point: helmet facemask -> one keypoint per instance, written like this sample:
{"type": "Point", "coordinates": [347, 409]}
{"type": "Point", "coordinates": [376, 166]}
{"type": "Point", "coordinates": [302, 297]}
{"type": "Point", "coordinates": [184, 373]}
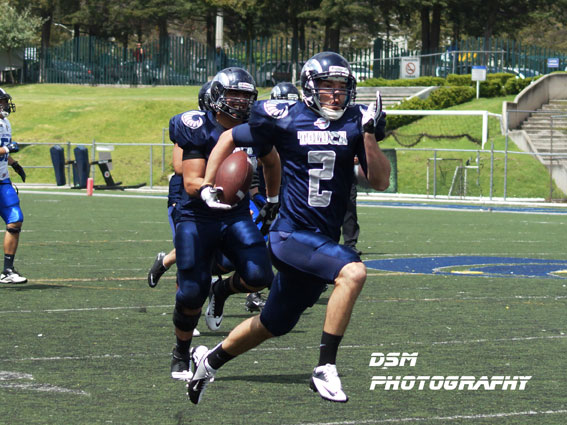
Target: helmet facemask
{"type": "Point", "coordinates": [235, 103]}
{"type": "Point", "coordinates": [233, 92]}
{"type": "Point", "coordinates": [6, 104]}
{"type": "Point", "coordinates": [331, 67]}
{"type": "Point", "coordinates": [336, 99]}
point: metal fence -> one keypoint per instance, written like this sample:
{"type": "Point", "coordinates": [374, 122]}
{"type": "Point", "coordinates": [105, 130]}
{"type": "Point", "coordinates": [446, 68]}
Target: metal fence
{"type": "Point", "coordinates": [473, 174]}
{"type": "Point", "coordinates": [181, 60]}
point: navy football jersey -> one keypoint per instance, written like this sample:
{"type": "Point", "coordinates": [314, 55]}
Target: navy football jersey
{"type": "Point", "coordinates": [317, 159]}
{"type": "Point", "coordinates": [175, 189]}
{"type": "Point", "coordinates": [197, 132]}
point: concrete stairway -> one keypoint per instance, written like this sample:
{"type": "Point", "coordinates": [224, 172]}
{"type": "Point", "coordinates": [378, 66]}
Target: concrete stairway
{"type": "Point", "coordinates": [391, 96]}
{"type": "Point", "coordinates": [547, 131]}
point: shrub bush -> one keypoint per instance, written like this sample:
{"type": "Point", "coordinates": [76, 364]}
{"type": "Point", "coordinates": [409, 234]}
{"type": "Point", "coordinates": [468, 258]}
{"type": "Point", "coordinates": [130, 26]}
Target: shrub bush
{"type": "Point", "coordinates": [442, 98]}
{"type": "Point", "coordinates": [516, 85]}
{"type": "Point", "coordinates": [445, 97]}
{"type": "Point", "coordinates": [417, 82]}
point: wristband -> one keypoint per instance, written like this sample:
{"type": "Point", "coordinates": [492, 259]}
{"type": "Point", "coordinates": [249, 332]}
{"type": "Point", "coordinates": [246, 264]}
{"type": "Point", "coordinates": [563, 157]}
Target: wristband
{"type": "Point", "coordinates": [273, 199]}
{"type": "Point", "coordinates": [204, 186]}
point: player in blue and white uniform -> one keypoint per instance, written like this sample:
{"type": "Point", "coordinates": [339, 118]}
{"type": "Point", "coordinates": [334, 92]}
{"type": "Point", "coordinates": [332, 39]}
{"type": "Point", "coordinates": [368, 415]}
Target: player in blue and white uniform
{"type": "Point", "coordinates": [317, 140]}
{"type": "Point", "coordinates": [164, 261]}
{"type": "Point", "coordinates": [9, 202]}
{"type": "Point", "coordinates": [203, 226]}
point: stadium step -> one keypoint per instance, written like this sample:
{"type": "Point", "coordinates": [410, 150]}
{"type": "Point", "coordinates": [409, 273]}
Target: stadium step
{"type": "Point", "coordinates": [391, 96]}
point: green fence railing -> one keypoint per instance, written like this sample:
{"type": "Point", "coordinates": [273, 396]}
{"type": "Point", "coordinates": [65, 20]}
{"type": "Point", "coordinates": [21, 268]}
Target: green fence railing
{"type": "Point", "coordinates": [183, 61]}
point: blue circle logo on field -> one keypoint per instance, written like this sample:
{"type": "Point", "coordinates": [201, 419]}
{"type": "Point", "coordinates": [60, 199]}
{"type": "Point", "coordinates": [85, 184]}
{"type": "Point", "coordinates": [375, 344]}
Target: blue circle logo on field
{"type": "Point", "coordinates": [478, 266]}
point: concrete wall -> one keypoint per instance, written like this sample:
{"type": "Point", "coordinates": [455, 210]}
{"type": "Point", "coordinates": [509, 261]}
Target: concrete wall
{"type": "Point", "coordinates": [540, 92]}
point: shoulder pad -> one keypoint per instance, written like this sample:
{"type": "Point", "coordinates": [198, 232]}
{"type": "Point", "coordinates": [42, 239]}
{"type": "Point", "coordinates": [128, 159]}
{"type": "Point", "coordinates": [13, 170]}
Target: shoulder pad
{"type": "Point", "coordinates": [193, 119]}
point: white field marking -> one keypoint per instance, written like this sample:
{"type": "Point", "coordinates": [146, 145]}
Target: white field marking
{"type": "Point", "coordinates": [442, 418]}
{"type": "Point", "coordinates": [479, 210]}
{"type": "Point", "coordinates": [267, 349]}
{"type": "Point", "coordinates": [43, 388]}
{"type": "Point", "coordinates": [386, 300]}
{"type": "Point", "coordinates": [513, 297]}
{"type": "Point", "coordinates": [12, 376]}
{"type": "Point", "coordinates": [101, 195]}
{"type": "Point", "coordinates": [394, 344]}
{"type": "Point", "coordinates": [69, 310]}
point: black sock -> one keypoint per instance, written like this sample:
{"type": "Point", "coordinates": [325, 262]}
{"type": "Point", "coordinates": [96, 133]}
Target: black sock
{"type": "Point", "coordinates": [9, 261]}
{"type": "Point", "coordinates": [183, 347]}
{"type": "Point", "coordinates": [218, 357]}
{"type": "Point", "coordinates": [222, 289]}
{"type": "Point", "coordinates": [328, 348]}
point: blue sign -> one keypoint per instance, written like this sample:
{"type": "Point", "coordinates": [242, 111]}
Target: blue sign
{"type": "Point", "coordinates": [553, 62]}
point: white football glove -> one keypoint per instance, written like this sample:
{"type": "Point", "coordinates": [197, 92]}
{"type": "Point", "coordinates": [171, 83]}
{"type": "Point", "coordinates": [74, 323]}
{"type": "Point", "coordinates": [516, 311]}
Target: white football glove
{"type": "Point", "coordinates": [371, 116]}
{"type": "Point", "coordinates": [210, 195]}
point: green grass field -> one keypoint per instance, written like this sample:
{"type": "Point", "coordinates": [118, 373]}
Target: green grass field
{"type": "Point", "coordinates": [86, 341]}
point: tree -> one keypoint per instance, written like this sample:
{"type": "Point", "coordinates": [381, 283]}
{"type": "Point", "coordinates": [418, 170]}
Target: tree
{"type": "Point", "coordinates": [17, 30]}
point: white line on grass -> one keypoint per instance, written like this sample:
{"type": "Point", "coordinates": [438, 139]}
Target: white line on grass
{"type": "Point", "coordinates": [68, 310]}
{"type": "Point", "coordinates": [43, 388]}
{"type": "Point", "coordinates": [314, 347]}
{"type": "Point", "coordinates": [17, 376]}
{"type": "Point", "coordinates": [442, 418]}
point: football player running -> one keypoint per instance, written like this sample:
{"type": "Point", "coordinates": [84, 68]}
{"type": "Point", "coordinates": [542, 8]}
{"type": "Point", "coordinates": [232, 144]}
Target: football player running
{"type": "Point", "coordinates": [205, 226]}
{"type": "Point", "coordinates": [164, 261]}
{"type": "Point", "coordinates": [317, 140]}
{"type": "Point", "coordinates": [9, 202]}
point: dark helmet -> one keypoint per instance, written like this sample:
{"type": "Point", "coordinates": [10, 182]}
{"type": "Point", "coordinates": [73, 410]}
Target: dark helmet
{"type": "Point", "coordinates": [6, 104]}
{"type": "Point", "coordinates": [205, 97]}
{"type": "Point", "coordinates": [285, 91]}
{"type": "Point", "coordinates": [233, 80]}
{"type": "Point", "coordinates": [326, 66]}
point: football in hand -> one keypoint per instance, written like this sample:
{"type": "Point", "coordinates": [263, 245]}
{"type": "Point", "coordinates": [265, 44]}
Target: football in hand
{"type": "Point", "coordinates": [234, 176]}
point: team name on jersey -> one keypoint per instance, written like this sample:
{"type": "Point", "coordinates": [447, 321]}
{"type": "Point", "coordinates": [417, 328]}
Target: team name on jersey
{"type": "Point", "coordinates": [322, 137]}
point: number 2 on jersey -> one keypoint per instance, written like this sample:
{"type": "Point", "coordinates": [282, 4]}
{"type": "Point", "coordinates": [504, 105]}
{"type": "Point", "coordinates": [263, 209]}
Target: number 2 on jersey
{"type": "Point", "coordinates": [327, 159]}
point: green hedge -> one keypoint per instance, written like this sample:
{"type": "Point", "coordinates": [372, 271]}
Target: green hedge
{"type": "Point", "coordinates": [500, 84]}
{"type": "Point", "coordinates": [442, 98]}
{"type": "Point", "coordinates": [417, 82]}
{"type": "Point", "coordinates": [516, 85]}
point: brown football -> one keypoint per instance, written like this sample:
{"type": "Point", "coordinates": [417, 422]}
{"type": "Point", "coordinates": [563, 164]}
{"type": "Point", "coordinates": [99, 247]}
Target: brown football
{"type": "Point", "coordinates": [234, 176]}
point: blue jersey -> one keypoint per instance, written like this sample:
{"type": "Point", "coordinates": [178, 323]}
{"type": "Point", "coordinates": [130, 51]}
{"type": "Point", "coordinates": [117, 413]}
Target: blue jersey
{"type": "Point", "coordinates": [197, 133]}
{"type": "Point", "coordinates": [317, 157]}
{"type": "Point", "coordinates": [175, 189]}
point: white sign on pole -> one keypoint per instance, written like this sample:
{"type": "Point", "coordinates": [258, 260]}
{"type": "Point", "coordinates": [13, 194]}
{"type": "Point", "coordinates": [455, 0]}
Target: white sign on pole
{"type": "Point", "coordinates": [409, 67]}
{"type": "Point", "coordinates": [478, 74]}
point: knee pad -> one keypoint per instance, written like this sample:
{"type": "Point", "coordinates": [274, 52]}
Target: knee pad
{"type": "Point", "coordinates": [182, 321]}
{"type": "Point", "coordinates": [13, 230]}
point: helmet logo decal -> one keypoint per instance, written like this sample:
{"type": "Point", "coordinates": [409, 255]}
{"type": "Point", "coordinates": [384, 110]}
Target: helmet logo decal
{"type": "Point", "coordinates": [193, 119]}
{"type": "Point", "coordinates": [277, 109]}
{"type": "Point", "coordinates": [333, 69]}
{"type": "Point", "coordinates": [245, 86]}
{"type": "Point", "coordinates": [322, 123]}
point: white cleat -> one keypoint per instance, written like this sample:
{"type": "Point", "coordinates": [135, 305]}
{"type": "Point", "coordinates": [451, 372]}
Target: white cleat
{"type": "Point", "coordinates": [180, 367]}
{"type": "Point", "coordinates": [214, 312]}
{"type": "Point", "coordinates": [196, 354]}
{"type": "Point", "coordinates": [201, 378]}
{"type": "Point", "coordinates": [325, 380]}
{"type": "Point", "coordinates": [12, 276]}
{"type": "Point", "coordinates": [196, 332]}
